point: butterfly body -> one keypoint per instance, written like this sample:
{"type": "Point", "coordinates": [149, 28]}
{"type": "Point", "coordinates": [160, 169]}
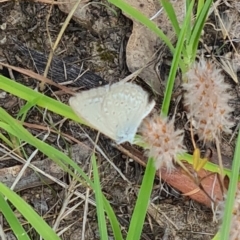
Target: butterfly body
{"type": "Point", "coordinates": [115, 110]}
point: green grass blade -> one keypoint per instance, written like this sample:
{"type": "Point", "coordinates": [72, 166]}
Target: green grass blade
{"type": "Point", "coordinates": [125, 7]}
{"type": "Point", "coordinates": [41, 100]}
{"type": "Point", "coordinates": [197, 29]}
{"type": "Point", "coordinates": [209, 166]}
{"type": "Point", "coordinates": [217, 236]}
{"type": "Point", "coordinates": [29, 214]}
{"type": "Point", "coordinates": [60, 158]}
{"type": "Point", "coordinates": [16, 129]}
{"type": "Point", "coordinates": [187, 4]}
{"type": "Point", "coordinates": [9, 215]}
{"type": "Point", "coordinates": [175, 63]}
{"type": "Point", "coordinates": [200, 5]}
{"type": "Point", "coordinates": [226, 225]}
{"type": "Point", "coordinates": [24, 109]}
{"type": "Point", "coordinates": [6, 140]}
{"type": "Point", "coordinates": [140, 210]}
{"type": "Point", "coordinates": [99, 201]}
{"type": "Point", "coordinates": [113, 220]}
{"type": "Point", "coordinates": [171, 15]}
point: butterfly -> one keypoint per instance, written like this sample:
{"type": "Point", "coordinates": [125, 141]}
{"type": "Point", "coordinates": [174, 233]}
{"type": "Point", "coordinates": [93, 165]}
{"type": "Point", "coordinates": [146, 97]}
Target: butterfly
{"type": "Point", "coordinates": [115, 110]}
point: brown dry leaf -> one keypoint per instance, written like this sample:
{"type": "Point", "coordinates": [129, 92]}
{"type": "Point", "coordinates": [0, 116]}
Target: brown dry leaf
{"type": "Point", "coordinates": [143, 43]}
{"type": "Point", "coordinates": [80, 15]}
{"type": "Point", "coordinates": [30, 177]}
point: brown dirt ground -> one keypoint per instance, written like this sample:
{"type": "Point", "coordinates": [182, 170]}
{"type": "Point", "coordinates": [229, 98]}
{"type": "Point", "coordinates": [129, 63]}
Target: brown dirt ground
{"type": "Point", "coordinates": [180, 217]}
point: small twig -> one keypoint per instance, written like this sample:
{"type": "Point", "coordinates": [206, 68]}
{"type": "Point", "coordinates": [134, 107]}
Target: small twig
{"type": "Point", "coordinates": [220, 163]}
{"type": "Point", "coordinates": [105, 156]}
{"type": "Point", "coordinates": [69, 17]}
{"type": "Point", "coordinates": [38, 77]}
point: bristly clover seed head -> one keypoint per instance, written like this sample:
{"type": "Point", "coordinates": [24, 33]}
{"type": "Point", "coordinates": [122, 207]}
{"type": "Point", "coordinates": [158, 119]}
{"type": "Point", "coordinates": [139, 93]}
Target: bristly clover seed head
{"type": "Point", "coordinates": [206, 99]}
{"type": "Point", "coordinates": [163, 142]}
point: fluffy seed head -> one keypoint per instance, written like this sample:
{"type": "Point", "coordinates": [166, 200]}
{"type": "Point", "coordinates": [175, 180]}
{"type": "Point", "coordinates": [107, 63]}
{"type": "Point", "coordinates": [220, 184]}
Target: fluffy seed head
{"type": "Point", "coordinates": [163, 142]}
{"type": "Point", "coordinates": [207, 99]}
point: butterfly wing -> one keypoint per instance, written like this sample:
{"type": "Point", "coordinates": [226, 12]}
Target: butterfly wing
{"type": "Point", "coordinates": [116, 110]}
{"type": "Point", "coordinates": [88, 106]}
{"type": "Point", "coordinates": [126, 105]}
